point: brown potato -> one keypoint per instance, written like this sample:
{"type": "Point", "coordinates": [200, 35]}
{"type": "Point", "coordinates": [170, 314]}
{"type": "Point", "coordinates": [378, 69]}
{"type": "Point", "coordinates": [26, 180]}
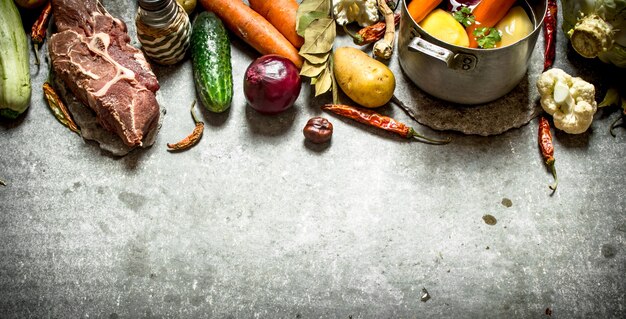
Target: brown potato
{"type": "Point", "coordinates": [365, 80]}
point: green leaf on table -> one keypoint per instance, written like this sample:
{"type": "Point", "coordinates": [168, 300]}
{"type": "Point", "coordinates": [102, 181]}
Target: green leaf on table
{"type": "Point", "coordinates": [324, 82]}
{"type": "Point", "coordinates": [303, 23]}
{"type": "Point", "coordinates": [312, 70]}
{"type": "Point", "coordinates": [315, 58]}
{"type": "Point", "coordinates": [610, 98]}
{"type": "Point", "coordinates": [312, 5]}
{"type": "Point", "coordinates": [319, 36]}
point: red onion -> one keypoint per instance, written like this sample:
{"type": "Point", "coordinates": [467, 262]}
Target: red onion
{"type": "Point", "coordinates": [271, 84]}
{"type": "Point", "coordinates": [454, 5]}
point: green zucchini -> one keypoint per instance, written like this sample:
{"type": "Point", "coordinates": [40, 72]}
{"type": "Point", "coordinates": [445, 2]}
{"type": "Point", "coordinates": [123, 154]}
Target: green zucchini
{"type": "Point", "coordinates": [210, 57]}
{"type": "Point", "coordinates": [14, 62]}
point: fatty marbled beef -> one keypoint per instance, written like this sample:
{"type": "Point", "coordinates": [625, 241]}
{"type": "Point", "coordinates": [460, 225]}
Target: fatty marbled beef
{"type": "Point", "coordinates": [91, 54]}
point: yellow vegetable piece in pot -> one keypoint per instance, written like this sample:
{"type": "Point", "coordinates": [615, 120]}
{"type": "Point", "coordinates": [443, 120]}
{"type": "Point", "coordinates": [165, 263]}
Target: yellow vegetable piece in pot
{"type": "Point", "coordinates": [365, 80]}
{"type": "Point", "coordinates": [514, 26]}
{"type": "Point", "coordinates": [442, 25]}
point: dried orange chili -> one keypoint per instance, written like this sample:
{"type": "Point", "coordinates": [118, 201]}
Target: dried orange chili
{"type": "Point", "coordinates": [547, 148]}
{"type": "Point", "coordinates": [549, 33]}
{"type": "Point", "coordinates": [374, 119]}
{"type": "Point", "coordinates": [193, 138]}
{"type": "Point", "coordinates": [38, 31]}
{"type": "Point", "coordinates": [58, 108]}
{"type": "Point", "coordinates": [372, 33]}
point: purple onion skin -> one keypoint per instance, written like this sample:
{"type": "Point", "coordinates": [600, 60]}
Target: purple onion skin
{"type": "Point", "coordinates": [454, 5]}
{"type": "Point", "coordinates": [271, 84]}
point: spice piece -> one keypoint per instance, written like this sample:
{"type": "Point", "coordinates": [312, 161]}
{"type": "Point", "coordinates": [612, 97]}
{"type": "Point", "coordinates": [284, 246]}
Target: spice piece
{"type": "Point", "coordinates": [38, 31]}
{"type": "Point", "coordinates": [193, 138]}
{"type": "Point", "coordinates": [374, 119]}
{"type": "Point", "coordinates": [547, 148]}
{"type": "Point", "coordinates": [549, 31]}
{"type": "Point", "coordinates": [58, 108]}
{"type": "Point", "coordinates": [507, 202]}
{"type": "Point", "coordinates": [371, 33]}
{"type": "Point", "coordinates": [425, 296]}
{"type": "Point", "coordinates": [3, 183]}
{"type": "Point", "coordinates": [318, 130]}
{"type": "Point", "coordinates": [384, 47]}
{"type": "Point", "coordinates": [490, 220]}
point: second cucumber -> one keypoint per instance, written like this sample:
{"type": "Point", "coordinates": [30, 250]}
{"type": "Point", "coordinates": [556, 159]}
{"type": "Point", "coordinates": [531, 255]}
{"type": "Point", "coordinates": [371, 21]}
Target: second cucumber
{"type": "Point", "coordinates": [212, 69]}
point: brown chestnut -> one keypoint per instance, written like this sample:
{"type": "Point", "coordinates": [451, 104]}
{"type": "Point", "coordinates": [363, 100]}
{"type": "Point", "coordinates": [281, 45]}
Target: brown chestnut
{"type": "Point", "coordinates": [318, 130]}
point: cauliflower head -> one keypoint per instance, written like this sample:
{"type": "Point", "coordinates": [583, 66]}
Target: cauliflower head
{"type": "Point", "coordinates": [570, 100]}
{"type": "Point", "coordinates": [364, 12]}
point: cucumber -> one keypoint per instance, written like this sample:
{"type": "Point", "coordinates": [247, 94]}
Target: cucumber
{"type": "Point", "coordinates": [210, 57]}
{"type": "Point", "coordinates": [14, 62]}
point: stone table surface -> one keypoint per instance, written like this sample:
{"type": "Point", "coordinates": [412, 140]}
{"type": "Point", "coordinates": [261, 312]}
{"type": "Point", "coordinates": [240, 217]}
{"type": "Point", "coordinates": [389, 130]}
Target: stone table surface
{"type": "Point", "coordinates": [254, 222]}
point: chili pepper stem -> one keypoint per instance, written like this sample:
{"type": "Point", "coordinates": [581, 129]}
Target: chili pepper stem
{"type": "Point", "coordinates": [357, 38]}
{"type": "Point", "coordinates": [420, 137]}
{"type": "Point", "coordinates": [193, 115]}
{"type": "Point", "coordinates": [36, 46]}
{"type": "Point", "coordinates": [550, 164]}
{"type": "Point", "coordinates": [614, 125]}
{"type": "Point", "coordinates": [410, 113]}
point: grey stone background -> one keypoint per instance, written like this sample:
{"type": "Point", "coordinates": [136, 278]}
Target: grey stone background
{"type": "Point", "coordinates": [254, 222]}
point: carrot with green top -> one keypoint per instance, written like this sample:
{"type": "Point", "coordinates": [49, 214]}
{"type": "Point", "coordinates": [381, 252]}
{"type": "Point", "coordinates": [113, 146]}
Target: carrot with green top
{"type": "Point", "coordinates": [487, 14]}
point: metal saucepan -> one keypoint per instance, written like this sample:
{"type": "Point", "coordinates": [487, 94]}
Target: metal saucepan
{"type": "Point", "coordinates": [463, 75]}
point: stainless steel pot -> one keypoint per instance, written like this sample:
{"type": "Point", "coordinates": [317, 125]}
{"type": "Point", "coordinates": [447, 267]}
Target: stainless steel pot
{"type": "Point", "coordinates": [463, 75]}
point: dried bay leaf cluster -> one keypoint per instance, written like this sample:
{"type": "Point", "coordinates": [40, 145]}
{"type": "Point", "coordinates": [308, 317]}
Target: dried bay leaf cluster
{"type": "Point", "coordinates": [314, 22]}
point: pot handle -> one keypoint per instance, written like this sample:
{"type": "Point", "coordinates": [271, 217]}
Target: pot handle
{"type": "Point", "coordinates": [418, 44]}
{"type": "Point", "coordinates": [457, 61]}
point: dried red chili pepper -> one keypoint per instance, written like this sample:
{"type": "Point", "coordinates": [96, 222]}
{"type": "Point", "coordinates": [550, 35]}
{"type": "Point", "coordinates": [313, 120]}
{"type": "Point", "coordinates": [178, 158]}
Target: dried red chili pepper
{"type": "Point", "coordinates": [549, 33]}
{"type": "Point", "coordinates": [193, 138]}
{"type": "Point", "coordinates": [58, 108]}
{"type": "Point", "coordinates": [371, 33]}
{"type": "Point", "coordinates": [38, 31]}
{"type": "Point", "coordinates": [547, 148]}
{"type": "Point", "coordinates": [372, 118]}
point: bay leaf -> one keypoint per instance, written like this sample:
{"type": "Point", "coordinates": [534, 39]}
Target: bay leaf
{"type": "Point", "coordinates": [324, 82]}
{"type": "Point", "coordinates": [303, 23]}
{"type": "Point", "coordinates": [316, 58]}
{"type": "Point", "coordinates": [312, 5]}
{"type": "Point", "coordinates": [312, 70]}
{"type": "Point", "coordinates": [319, 36]}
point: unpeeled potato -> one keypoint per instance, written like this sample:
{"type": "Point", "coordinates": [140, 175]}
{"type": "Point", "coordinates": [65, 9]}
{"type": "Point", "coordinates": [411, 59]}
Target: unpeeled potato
{"type": "Point", "coordinates": [365, 80]}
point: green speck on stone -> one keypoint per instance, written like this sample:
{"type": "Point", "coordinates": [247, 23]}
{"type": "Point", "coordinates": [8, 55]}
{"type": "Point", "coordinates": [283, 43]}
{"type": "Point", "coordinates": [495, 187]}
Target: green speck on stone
{"type": "Point", "coordinates": [507, 202]}
{"type": "Point", "coordinates": [490, 220]}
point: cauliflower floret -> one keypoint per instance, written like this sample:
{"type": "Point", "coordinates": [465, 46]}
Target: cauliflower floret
{"type": "Point", "coordinates": [364, 12]}
{"type": "Point", "coordinates": [570, 100]}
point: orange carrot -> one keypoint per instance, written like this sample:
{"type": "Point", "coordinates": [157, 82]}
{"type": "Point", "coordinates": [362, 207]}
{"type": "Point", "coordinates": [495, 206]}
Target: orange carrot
{"type": "Point", "coordinates": [253, 28]}
{"type": "Point", "coordinates": [282, 15]}
{"type": "Point", "coordinates": [487, 14]}
{"type": "Point", "coordinates": [419, 9]}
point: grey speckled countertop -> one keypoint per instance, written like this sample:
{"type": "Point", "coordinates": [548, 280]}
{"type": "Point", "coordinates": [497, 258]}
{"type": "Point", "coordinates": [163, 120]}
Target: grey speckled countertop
{"type": "Point", "coordinates": [256, 223]}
